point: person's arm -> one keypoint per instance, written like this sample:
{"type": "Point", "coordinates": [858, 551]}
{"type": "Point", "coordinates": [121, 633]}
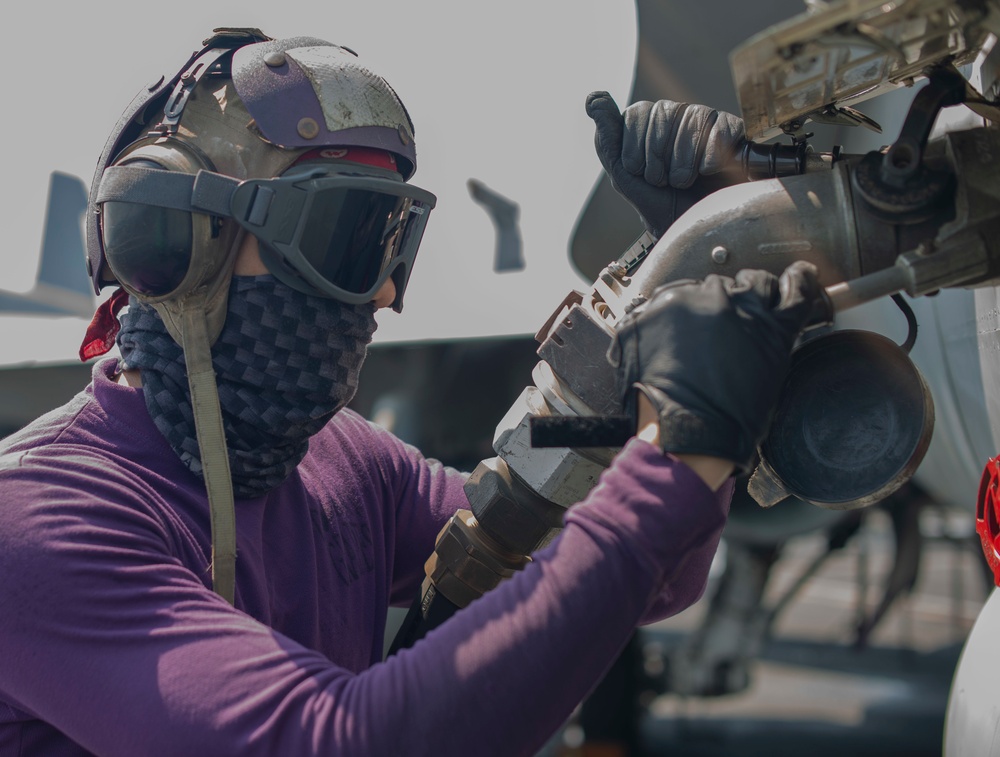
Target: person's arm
{"type": "Point", "coordinates": [115, 643]}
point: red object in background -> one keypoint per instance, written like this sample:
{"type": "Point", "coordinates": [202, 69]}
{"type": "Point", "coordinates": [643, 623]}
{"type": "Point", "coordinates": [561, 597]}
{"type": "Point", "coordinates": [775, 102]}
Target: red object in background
{"type": "Point", "coordinates": [988, 515]}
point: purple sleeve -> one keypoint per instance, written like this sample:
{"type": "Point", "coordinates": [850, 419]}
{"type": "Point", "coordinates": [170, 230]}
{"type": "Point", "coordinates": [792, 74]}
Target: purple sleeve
{"type": "Point", "coordinates": [120, 647]}
{"type": "Point", "coordinates": [429, 495]}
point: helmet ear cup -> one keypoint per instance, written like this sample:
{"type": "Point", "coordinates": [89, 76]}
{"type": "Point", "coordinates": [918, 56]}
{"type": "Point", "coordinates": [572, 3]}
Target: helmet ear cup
{"type": "Point", "coordinates": [159, 253]}
{"type": "Point", "coordinates": [148, 248]}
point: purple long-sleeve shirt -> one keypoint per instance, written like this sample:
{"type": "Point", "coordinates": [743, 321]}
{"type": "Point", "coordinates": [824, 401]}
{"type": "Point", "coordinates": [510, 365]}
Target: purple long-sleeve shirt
{"type": "Point", "coordinates": [112, 643]}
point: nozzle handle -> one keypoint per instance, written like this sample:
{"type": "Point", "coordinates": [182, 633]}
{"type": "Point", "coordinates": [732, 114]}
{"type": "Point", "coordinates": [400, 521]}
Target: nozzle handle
{"type": "Point", "coordinates": [850, 294]}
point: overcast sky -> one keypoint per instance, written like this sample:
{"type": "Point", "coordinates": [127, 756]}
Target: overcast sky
{"type": "Point", "coordinates": [496, 91]}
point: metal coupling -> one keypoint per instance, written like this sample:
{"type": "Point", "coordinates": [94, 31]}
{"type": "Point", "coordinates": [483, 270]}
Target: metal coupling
{"type": "Point", "coordinates": [514, 516]}
{"type": "Point", "coordinates": [467, 563]}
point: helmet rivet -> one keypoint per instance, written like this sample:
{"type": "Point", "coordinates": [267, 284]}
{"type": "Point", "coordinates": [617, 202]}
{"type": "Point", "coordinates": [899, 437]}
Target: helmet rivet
{"type": "Point", "coordinates": [404, 136]}
{"type": "Point", "coordinates": [274, 59]}
{"type": "Point", "coordinates": [308, 128]}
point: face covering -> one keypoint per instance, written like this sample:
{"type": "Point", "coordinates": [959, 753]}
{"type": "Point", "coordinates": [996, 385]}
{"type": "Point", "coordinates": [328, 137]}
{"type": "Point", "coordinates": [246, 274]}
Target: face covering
{"type": "Point", "coordinates": [285, 362]}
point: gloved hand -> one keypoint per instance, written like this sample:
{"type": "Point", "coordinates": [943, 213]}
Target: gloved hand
{"type": "Point", "coordinates": [658, 154]}
{"type": "Point", "coordinates": [712, 355]}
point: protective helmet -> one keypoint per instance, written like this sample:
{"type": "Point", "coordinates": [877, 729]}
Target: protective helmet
{"type": "Point", "coordinates": [244, 107]}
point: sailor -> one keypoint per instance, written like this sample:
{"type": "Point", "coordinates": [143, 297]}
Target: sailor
{"type": "Point", "coordinates": [198, 551]}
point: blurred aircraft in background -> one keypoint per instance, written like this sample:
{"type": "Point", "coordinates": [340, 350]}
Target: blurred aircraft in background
{"type": "Point", "coordinates": [43, 327]}
{"type": "Point", "coordinates": [62, 286]}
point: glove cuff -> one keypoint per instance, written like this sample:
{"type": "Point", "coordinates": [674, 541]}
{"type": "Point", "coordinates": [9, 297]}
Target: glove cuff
{"type": "Point", "coordinates": [685, 432]}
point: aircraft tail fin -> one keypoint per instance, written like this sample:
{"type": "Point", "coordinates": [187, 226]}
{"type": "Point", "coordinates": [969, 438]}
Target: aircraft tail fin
{"type": "Point", "coordinates": [62, 286]}
{"type": "Point", "coordinates": [63, 252]}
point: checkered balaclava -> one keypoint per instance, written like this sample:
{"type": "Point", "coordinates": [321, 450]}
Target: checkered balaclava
{"type": "Point", "coordinates": [285, 362]}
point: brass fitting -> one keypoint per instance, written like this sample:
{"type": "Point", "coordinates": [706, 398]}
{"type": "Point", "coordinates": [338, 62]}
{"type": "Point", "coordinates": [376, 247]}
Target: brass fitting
{"type": "Point", "coordinates": [467, 563]}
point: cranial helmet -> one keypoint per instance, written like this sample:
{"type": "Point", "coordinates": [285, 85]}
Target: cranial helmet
{"type": "Point", "coordinates": [292, 140]}
{"type": "Point", "coordinates": [244, 107]}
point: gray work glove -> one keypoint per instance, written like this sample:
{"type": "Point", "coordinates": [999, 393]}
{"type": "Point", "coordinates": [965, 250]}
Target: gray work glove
{"type": "Point", "coordinates": [712, 355]}
{"type": "Point", "coordinates": [663, 157]}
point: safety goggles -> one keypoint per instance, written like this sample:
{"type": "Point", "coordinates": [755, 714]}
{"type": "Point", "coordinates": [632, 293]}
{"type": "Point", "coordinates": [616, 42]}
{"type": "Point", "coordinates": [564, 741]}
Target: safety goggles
{"type": "Point", "coordinates": [342, 235]}
{"type": "Point", "coordinates": [324, 228]}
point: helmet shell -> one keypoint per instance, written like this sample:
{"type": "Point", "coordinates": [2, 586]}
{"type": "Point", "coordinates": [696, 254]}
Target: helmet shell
{"type": "Point", "coordinates": [306, 93]}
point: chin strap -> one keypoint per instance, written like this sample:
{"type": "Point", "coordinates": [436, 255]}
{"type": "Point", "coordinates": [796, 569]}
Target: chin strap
{"type": "Point", "coordinates": [212, 444]}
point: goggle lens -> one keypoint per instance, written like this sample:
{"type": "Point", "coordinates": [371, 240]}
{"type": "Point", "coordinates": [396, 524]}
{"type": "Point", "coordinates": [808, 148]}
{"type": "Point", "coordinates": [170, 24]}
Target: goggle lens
{"type": "Point", "coordinates": [350, 237]}
{"type": "Point", "coordinates": [342, 235]}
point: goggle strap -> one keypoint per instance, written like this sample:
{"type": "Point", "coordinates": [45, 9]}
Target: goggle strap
{"type": "Point", "coordinates": [204, 191]}
{"type": "Point", "coordinates": [213, 192]}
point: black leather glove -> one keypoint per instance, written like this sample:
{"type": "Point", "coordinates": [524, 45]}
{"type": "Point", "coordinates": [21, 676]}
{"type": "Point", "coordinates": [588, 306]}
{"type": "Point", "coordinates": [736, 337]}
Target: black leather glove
{"type": "Point", "coordinates": [712, 355]}
{"type": "Point", "coordinates": [658, 154]}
